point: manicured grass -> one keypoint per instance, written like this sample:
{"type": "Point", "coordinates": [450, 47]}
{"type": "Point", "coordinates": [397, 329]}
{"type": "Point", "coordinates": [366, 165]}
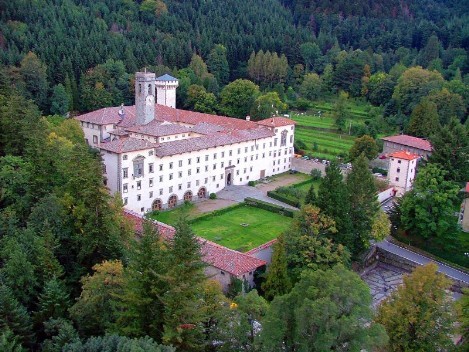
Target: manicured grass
{"type": "Point", "coordinates": [170, 217]}
{"type": "Point", "coordinates": [226, 229]}
{"type": "Point", "coordinates": [305, 187]}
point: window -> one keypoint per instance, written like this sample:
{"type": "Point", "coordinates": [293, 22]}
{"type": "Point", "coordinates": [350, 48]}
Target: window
{"type": "Point", "coordinates": [161, 191]}
{"type": "Point", "coordinates": [180, 174]}
{"type": "Point", "coordinates": [171, 189]}
{"type": "Point", "coordinates": [206, 157]}
{"type": "Point", "coordinates": [237, 172]}
{"type": "Point", "coordinates": [283, 138]}
{"type": "Point", "coordinates": [291, 139]}
{"type": "Point", "coordinates": [250, 169]}
{"type": "Point", "coordinates": [197, 170]}
{"type": "Point", "coordinates": [397, 178]}
{"type": "Point", "coordinates": [245, 149]}
{"type": "Point", "coordinates": [398, 161]}
{"type": "Point", "coordinates": [239, 150]}
{"type": "Point", "coordinates": [229, 163]}
{"type": "Point", "coordinates": [150, 182]}
{"type": "Point", "coordinates": [213, 178]}
{"type": "Point", "coordinates": [125, 188]}
{"type": "Point", "coordinates": [398, 170]}
{"type": "Point", "coordinates": [214, 166]}
{"type": "Point", "coordinates": [206, 180]}
{"type": "Point", "coordinates": [245, 170]}
{"type": "Point", "coordinates": [150, 152]}
{"type": "Point", "coordinates": [180, 163]}
{"type": "Point", "coordinates": [95, 139]}
{"type": "Point", "coordinates": [161, 167]}
{"type": "Point", "coordinates": [170, 176]}
{"type": "Point", "coordinates": [161, 178]}
{"type": "Point", "coordinates": [150, 168]}
{"type": "Point", "coordinates": [124, 157]}
{"type": "Point", "coordinates": [245, 159]}
{"type": "Point", "coordinates": [252, 148]}
{"type": "Point", "coordinates": [214, 156]}
{"type": "Point", "coordinates": [222, 164]}
{"type": "Point", "coordinates": [189, 161]}
{"type": "Point", "coordinates": [221, 177]}
{"type": "Point", "coordinates": [230, 153]}
{"type": "Point", "coordinates": [139, 197]}
{"type": "Point", "coordinates": [139, 184]}
{"type": "Point", "coordinates": [275, 142]}
{"type": "Point", "coordinates": [197, 182]}
{"type": "Point", "coordinates": [206, 167]}
{"type": "Point", "coordinates": [198, 159]}
{"type": "Point", "coordinates": [138, 167]}
{"type": "Point", "coordinates": [179, 186]}
{"type": "Point", "coordinates": [125, 172]}
{"type": "Point", "coordinates": [150, 195]}
{"type": "Point", "coordinates": [188, 185]}
{"type": "Point", "coordinates": [222, 154]}
{"type": "Point", "coordinates": [171, 165]}
{"type": "Point", "coordinates": [189, 172]}
{"type": "Point", "coordinates": [237, 161]}
{"type": "Point", "coordinates": [125, 201]}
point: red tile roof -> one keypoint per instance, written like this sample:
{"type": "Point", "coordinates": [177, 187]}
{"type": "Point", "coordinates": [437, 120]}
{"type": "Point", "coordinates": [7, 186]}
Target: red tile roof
{"type": "Point", "coordinates": [127, 144]}
{"type": "Point", "coordinates": [158, 129]}
{"type": "Point", "coordinates": [276, 122]}
{"type": "Point", "coordinates": [410, 141]}
{"type": "Point", "coordinates": [228, 260]}
{"type": "Point", "coordinates": [261, 247]}
{"type": "Point", "coordinates": [403, 154]}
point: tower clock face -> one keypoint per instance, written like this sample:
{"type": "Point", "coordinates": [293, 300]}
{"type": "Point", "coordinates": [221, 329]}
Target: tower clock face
{"type": "Point", "coordinates": [150, 100]}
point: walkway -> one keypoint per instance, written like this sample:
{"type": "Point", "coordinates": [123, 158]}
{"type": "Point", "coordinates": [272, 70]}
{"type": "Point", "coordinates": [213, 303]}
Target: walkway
{"type": "Point", "coordinates": [238, 193]}
{"type": "Point", "coordinates": [422, 260]}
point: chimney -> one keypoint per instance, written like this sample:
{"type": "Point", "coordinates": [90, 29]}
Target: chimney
{"type": "Point", "coordinates": [248, 118]}
{"type": "Point", "coordinates": [121, 111]}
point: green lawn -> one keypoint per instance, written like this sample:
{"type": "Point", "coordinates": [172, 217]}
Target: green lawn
{"type": "Point", "coordinates": [226, 229]}
{"type": "Point", "coordinates": [305, 187]}
{"type": "Point", "coordinates": [170, 217]}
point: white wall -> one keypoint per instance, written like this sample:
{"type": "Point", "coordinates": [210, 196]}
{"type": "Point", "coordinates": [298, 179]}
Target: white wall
{"type": "Point", "coordinates": [166, 95]}
{"type": "Point", "coordinates": [402, 173]}
{"type": "Point", "coordinates": [95, 134]}
{"type": "Point", "coordinates": [205, 168]}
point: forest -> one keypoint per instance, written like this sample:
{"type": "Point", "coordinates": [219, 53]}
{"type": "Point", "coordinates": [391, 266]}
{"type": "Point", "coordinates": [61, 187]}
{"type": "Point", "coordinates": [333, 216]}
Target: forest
{"type": "Point", "coordinates": [73, 275]}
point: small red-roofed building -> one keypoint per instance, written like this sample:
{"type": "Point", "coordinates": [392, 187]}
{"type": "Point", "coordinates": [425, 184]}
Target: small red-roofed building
{"type": "Point", "coordinates": [223, 264]}
{"type": "Point", "coordinates": [402, 169]}
{"type": "Point", "coordinates": [157, 156]}
{"type": "Point", "coordinates": [415, 145]}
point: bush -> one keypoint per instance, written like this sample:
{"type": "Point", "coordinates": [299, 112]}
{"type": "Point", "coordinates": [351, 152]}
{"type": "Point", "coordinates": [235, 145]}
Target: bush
{"type": "Point", "coordinates": [213, 196]}
{"type": "Point", "coordinates": [290, 191]}
{"type": "Point", "coordinates": [251, 183]}
{"type": "Point", "coordinates": [269, 207]}
{"type": "Point", "coordinates": [299, 144]}
{"type": "Point", "coordinates": [315, 174]}
{"type": "Point", "coordinates": [378, 170]}
{"type": "Point", "coordinates": [283, 198]}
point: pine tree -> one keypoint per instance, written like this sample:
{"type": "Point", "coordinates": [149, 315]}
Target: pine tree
{"type": "Point", "coordinates": [60, 100]}
{"type": "Point", "coordinates": [364, 204]}
{"type": "Point", "coordinates": [14, 317]}
{"type": "Point", "coordinates": [311, 197]}
{"type": "Point", "coordinates": [277, 282]}
{"type": "Point", "coordinates": [218, 64]}
{"type": "Point", "coordinates": [424, 120]}
{"type": "Point", "coordinates": [333, 200]}
{"type": "Point", "coordinates": [54, 301]}
{"type": "Point", "coordinates": [184, 313]}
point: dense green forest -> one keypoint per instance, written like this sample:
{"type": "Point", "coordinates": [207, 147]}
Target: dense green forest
{"type": "Point", "coordinates": [73, 276]}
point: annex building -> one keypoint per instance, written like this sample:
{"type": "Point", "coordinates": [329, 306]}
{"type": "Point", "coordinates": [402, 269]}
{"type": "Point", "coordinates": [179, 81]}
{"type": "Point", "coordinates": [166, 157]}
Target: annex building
{"type": "Point", "coordinates": [157, 156]}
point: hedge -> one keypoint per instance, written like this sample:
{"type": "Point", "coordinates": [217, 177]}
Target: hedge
{"type": "Point", "coordinates": [285, 199]}
{"type": "Point", "coordinates": [269, 207]}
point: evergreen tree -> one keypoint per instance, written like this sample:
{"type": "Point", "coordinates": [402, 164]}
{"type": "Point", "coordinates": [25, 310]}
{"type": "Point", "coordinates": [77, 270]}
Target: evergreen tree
{"type": "Point", "coordinates": [140, 307]}
{"type": "Point", "coordinates": [14, 317]}
{"type": "Point", "coordinates": [183, 311]}
{"type": "Point", "coordinates": [311, 197]}
{"type": "Point", "coordinates": [340, 112]}
{"type": "Point", "coordinates": [34, 80]}
{"type": "Point", "coordinates": [451, 151]}
{"type": "Point", "coordinates": [333, 200]}
{"type": "Point", "coordinates": [60, 100]}
{"type": "Point", "coordinates": [218, 64]}
{"type": "Point", "coordinates": [364, 204]}
{"type": "Point", "coordinates": [9, 342]}
{"type": "Point", "coordinates": [424, 120]}
{"type": "Point", "coordinates": [277, 282]}
{"type": "Point", "coordinates": [53, 301]}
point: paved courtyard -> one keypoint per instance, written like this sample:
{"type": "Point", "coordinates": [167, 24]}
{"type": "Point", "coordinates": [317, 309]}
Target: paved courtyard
{"type": "Point", "coordinates": [382, 280]}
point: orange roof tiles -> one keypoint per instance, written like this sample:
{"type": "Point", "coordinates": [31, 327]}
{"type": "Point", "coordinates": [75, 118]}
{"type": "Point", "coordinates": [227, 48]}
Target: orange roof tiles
{"type": "Point", "coordinates": [410, 141]}
{"type": "Point", "coordinates": [276, 122]}
{"type": "Point", "coordinates": [228, 260]}
{"type": "Point", "coordinates": [402, 154]}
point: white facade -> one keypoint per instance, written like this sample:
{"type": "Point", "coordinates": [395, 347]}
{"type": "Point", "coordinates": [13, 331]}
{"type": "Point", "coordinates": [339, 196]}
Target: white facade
{"type": "Point", "coordinates": [166, 90]}
{"type": "Point", "coordinates": [195, 174]}
{"type": "Point", "coordinates": [402, 169]}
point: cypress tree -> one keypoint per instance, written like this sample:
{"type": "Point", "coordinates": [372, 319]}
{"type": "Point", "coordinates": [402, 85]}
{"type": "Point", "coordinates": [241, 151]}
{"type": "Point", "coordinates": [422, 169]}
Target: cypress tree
{"type": "Point", "coordinates": [363, 203]}
{"type": "Point", "coordinates": [277, 282]}
{"type": "Point", "coordinates": [333, 200]}
{"type": "Point", "coordinates": [311, 197]}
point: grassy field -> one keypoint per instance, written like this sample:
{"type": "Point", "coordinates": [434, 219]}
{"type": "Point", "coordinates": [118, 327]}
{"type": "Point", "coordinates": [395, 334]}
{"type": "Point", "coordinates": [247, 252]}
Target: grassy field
{"type": "Point", "coordinates": [170, 217]}
{"type": "Point", "coordinates": [226, 229]}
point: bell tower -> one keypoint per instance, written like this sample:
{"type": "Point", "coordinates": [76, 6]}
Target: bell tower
{"type": "Point", "coordinates": [144, 97]}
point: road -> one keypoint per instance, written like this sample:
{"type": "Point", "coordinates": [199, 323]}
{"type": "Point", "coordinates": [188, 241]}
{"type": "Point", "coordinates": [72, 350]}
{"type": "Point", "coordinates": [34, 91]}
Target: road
{"type": "Point", "coordinates": [422, 260]}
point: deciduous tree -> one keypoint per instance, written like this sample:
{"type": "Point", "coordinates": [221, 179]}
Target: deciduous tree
{"type": "Point", "coordinates": [418, 315]}
{"type": "Point", "coordinates": [238, 97]}
{"type": "Point", "coordinates": [366, 145]}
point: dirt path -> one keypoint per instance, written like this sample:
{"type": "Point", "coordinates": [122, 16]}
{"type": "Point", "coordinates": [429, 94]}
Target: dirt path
{"type": "Point", "coordinates": [283, 180]}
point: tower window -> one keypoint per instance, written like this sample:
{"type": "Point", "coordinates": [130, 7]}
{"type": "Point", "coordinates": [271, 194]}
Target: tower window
{"type": "Point", "coordinates": [149, 89]}
{"type": "Point", "coordinates": [140, 88]}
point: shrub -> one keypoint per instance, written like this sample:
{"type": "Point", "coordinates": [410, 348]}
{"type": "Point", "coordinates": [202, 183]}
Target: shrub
{"type": "Point", "coordinates": [283, 198]}
{"type": "Point", "coordinates": [299, 144]}
{"type": "Point", "coordinates": [380, 171]}
{"type": "Point", "coordinates": [290, 191]}
{"type": "Point", "coordinates": [269, 207]}
{"type": "Point", "coordinates": [213, 196]}
{"type": "Point", "coordinates": [315, 174]}
{"type": "Point", "coordinates": [251, 183]}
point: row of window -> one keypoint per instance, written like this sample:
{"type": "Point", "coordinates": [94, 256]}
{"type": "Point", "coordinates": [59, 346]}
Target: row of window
{"type": "Point", "coordinates": [125, 186]}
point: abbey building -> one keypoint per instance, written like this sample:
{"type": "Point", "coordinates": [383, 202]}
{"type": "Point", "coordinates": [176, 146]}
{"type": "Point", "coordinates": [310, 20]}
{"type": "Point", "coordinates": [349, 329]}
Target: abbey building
{"type": "Point", "coordinates": [157, 156]}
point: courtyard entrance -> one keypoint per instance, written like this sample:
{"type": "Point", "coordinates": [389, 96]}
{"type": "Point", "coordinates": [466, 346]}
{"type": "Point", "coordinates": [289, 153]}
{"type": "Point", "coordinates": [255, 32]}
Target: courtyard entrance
{"type": "Point", "coordinates": [157, 205]}
{"type": "Point", "coordinates": [172, 201]}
